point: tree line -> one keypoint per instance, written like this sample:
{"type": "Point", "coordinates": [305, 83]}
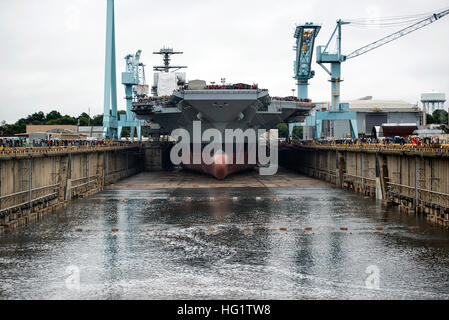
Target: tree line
{"type": "Point", "coordinates": [51, 118]}
{"type": "Point", "coordinates": [437, 117]}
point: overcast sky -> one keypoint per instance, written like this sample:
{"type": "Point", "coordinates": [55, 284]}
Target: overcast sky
{"type": "Point", "coordinates": [52, 51]}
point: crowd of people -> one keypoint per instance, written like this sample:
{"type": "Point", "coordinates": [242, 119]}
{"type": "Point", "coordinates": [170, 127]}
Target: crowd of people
{"type": "Point", "coordinates": [411, 140]}
{"type": "Point", "coordinates": [6, 143]}
{"type": "Point", "coordinates": [12, 143]}
{"type": "Point", "coordinates": [65, 143]}
{"type": "Point", "coordinates": [291, 98]}
{"type": "Point", "coordinates": [238, 86]}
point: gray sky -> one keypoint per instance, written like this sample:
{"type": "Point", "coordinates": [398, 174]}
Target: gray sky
{"type": "Point", "coordinates": [52, 51]}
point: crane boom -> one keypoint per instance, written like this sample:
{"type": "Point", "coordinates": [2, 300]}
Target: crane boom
{"type": "Point", "coordinates": [398, 34]}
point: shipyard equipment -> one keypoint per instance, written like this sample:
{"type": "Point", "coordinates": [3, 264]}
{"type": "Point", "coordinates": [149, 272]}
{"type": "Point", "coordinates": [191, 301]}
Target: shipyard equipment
{"type": "Point", "coordinates": [305, 40]}
{"type": "Point", "coordinates": [135, 88]}
{"type": "Point", "coordinates": [110, 125]}
{"type": "Point", "coordinates": [340, 111]}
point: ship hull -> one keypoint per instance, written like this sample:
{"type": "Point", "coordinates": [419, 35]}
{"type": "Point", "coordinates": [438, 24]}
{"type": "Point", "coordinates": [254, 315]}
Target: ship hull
{"type": "Point", "coordinates": [220, 110]}
{"type": "Point", "coordinates": [221, 167]}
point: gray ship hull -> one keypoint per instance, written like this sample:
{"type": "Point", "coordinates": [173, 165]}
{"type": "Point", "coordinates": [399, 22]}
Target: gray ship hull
{"type": "Point", "coordinates": [221, 110]}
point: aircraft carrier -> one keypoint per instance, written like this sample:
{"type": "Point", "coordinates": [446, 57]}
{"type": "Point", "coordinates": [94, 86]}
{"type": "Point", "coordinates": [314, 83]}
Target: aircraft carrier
{"type": "Point", "coordinates": [177, 103]}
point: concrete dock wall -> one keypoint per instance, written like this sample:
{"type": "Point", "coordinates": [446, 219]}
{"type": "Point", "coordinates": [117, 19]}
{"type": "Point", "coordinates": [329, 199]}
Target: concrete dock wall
{"type": "Point", "coordinates": [414, 178]}
{"type": "Point", "coordinates": [38, 181]}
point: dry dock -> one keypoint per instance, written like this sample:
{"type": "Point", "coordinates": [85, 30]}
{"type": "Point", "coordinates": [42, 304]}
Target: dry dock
{"type": "Point", "coordinates": [38, 181]}
{"type": "Point", "coordinates": [275, 241]}
{"type": "Point", "coordinates": [416, 178]}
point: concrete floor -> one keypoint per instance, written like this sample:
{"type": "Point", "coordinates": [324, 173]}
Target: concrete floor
{"type": "Point", "coordinates": [189, 179]}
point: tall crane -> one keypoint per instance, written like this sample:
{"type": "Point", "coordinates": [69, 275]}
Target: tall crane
{"type": "Point", "coordinates": [340, 111]}
{"type": "Point", "coordinates": [134, 81]}
{"type": "Point", "coordinates": [305, 36]}
{"type": "Point", "coordinates": [305, 39]}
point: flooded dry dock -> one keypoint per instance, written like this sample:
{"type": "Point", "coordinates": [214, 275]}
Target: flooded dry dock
{"type": "Point", "coordinates": [186, 236]}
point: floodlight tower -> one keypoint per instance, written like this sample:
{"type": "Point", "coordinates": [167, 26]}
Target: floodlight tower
{"type": "Point", "coordinates": [305, 40]}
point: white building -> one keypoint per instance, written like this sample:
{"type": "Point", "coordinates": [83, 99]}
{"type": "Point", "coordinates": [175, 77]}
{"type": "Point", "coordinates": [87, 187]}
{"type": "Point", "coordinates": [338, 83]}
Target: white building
{"type": "Point", "coordinates": [371, 113]}
{"type": "Point", "coordinates": [91, 131]}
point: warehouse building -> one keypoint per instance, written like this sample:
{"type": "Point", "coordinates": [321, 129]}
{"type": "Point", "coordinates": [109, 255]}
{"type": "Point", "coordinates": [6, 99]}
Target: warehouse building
{"type": "Point", "coordinates": [370, 113]}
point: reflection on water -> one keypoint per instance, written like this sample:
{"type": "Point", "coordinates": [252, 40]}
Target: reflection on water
{"type": "Point", "coordinates": [217, 246]}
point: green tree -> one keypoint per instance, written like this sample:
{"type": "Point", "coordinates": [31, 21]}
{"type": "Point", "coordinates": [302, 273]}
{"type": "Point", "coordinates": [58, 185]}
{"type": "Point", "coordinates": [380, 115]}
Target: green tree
{"type": "Point", "coordinates": [126, 132]}
{"type": "Point", "coordinates": [53, 115]}
{"type": "Point", "coordinates": [37, 118]}
{"type": "Point", "coordinates": [65, 120]}
{"type": "Point", "coordinates": [97, 120]}
{"type": "Point", "coordinates": [84, 119]}
{"type": "Point", "coordinates": [298, 132]}
{"type": "Point", "coordinates": [437, 117]}
{"type": "Point", "coordinates": [84, 115]}
{"type": "Point", "coordinates": [282, 130]}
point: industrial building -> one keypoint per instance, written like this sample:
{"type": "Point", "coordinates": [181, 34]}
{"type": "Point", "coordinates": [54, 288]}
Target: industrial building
{"type": "Point", "coordinates": [68, 132]}
{"type": "Point", "coordinates": [369, 113]}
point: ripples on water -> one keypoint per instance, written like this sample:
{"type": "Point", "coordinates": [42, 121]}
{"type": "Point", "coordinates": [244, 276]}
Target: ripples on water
{"type": "Point", "coordinates": [226, 249]}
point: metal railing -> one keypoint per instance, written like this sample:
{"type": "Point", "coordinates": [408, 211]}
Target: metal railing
{"type": "Point", "coordinates": [441, 149]}
{"type": "Point", "coordinates": [28, 202]}
{"type": "Point", "coordinates": [360, 177]}
{"type": "Point", "coordinates": [417, 188]}
{"type": "Point", "coordinates": [28, 191]}
{"type": "Point", "coordinates": [29, 151]}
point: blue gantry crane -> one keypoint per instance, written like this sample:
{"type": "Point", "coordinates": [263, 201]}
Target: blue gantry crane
{"type": "Point", "coordinates": [340, 111]}
{"type": "Point", "coordinates": [135, 87]}
{"type": "Point", "coordinates": [305, 40]}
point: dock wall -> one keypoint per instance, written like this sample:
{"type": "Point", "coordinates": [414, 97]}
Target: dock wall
{"type": "Point", "coordinates": [37, 181]}
{"type": "Point", "coordinates": [414, 178]}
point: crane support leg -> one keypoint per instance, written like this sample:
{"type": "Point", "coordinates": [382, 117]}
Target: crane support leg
{"type": "Point", "coordinates": [345, 115]}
